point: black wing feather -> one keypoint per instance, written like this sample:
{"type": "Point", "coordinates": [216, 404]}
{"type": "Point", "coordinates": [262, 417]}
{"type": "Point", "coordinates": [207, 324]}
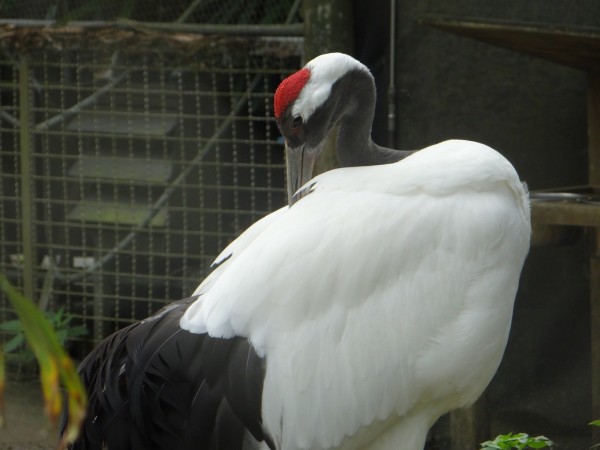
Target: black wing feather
{"type": "Point", "coordinates": [153, 385]}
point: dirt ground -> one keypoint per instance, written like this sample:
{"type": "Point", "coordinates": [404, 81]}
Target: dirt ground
{"type": "Point", "coordinates": [26, 425]}
{"type": "Point", "coordinates": [28, 429]}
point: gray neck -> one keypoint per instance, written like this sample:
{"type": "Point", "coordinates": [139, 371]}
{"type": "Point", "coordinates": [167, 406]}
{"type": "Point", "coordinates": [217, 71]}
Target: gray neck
{"type": "Point", "coordinates": [354, 144]}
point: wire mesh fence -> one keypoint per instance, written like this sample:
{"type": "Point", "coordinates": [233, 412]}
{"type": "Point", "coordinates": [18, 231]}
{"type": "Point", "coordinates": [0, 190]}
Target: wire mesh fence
{"type": "Point", "coordinates": [124, 173]}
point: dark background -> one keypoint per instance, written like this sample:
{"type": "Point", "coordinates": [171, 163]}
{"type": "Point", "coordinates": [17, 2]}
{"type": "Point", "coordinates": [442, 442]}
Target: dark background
{"type": "Point", "coordinates": [534, 112]}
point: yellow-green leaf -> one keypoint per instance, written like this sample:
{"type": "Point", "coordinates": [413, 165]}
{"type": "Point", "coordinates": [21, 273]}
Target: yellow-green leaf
{"type": "Point", "coordinates": [2, 381]}
{"type": "Point", "coordinates": [55, 365]}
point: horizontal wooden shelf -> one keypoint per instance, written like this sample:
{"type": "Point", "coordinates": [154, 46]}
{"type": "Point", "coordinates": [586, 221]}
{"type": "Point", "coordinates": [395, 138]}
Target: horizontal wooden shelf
{"type": "Point", "coordinates": [565, 213]}
{"type": "Point", "coordinates": [578, 48]}
{"type": "Point", "coordinates": [574, 206]}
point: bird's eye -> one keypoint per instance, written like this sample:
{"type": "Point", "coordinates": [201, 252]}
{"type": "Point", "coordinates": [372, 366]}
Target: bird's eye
{"type": "Point", "coordinates": [297, 121]}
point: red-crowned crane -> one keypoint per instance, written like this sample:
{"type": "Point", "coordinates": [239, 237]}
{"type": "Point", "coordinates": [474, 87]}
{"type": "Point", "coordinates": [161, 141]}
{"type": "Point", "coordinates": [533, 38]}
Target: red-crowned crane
{"type": "Point", "coordinates": [353, 319]}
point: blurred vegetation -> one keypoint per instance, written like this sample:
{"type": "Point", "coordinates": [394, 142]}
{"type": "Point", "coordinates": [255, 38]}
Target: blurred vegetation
{"type": "Point", "coordinates": [16, 347]}
{"type": "Point", "coordinates": [56, 368]}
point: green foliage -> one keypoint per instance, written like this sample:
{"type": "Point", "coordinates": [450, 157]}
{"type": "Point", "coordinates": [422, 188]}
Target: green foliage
{"type": "Point", "coordinates": [595, 423]}
{"type": "Point", "coordinates": [519, 441]}
{"type": "Point", "coordinates": [60, 322]}
{"type": "Point", "coordinates": [57, 371]}
{"type": "Point", "coordinates": [16, 343]}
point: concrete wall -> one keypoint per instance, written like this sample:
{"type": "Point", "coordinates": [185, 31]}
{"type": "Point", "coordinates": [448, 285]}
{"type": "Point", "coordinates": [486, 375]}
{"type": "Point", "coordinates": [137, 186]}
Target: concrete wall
{"type": "Point", "coordinates": [534, 112]}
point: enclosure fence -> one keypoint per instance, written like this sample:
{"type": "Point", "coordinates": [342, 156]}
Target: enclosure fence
{"type": "Point", "coordinates": [127, 168]}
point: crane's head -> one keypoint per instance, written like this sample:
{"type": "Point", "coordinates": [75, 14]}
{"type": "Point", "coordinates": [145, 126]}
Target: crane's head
{"type": "Point", "coordinates": [307, 105]}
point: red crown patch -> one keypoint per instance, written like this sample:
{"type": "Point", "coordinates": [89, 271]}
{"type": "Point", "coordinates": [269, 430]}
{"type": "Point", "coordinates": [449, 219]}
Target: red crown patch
{"type": "Point", "coordinates": [288, 90]}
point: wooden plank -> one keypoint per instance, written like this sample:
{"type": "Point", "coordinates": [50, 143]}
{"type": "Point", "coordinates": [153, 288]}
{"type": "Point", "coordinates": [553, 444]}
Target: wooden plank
{"type": "Point", "coordinates": [135, 123]}
{"type": "Point", "coordinates": [578, 48]}
{"type": "Point", "coordinates": [115, 213]}
{"type": "Point", "coordinates": [92, 168]}
{"type": "Point", "coordinates": [566, 213]}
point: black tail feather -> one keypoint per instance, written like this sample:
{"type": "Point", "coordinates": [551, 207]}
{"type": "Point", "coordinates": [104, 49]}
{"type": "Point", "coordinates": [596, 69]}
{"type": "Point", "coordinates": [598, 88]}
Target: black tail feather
{"type": "Point", "coordinates": [153, 385]}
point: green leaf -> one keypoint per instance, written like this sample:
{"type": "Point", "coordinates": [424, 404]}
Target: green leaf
{"type": "Point", "coordinates": [77, 331]}
{"type": "Point", "coordinates": [595, 423]}
{"type": "Point", "coordinates": [55, 365]}
{"type": "Point", "coordinates": [489, 445]}
{"type": "Point", "coordinates": [2, 381]}
{"type": "Point", "coordinates": [519, 441]}
{"type": "Point", "coordinates": [61, 335]}
{"type": "Point", "coordinates": [14, 343]}
{"type": "Point", "coordinates": [11, 325]}
{"type": "Point", "coordinates": [60, 318]}
{"type": "Point", "coordinates": [541, 443]}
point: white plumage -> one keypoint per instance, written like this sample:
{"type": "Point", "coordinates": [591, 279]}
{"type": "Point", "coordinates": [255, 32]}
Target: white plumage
{"type": "Point", "coordinates": [381, 300]}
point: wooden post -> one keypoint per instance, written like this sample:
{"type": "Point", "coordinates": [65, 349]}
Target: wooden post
{"type": "Point", "coordinates": [594, 129]}
{"type": "Point", "coordinates": [595, 334]}
{"type": "Point", "coordinates": [25, 150]}
{"type": "Point", "coordinates": [328, 27]}
{"type": "Point", "coordinates": [470, 426]}
{"type": "Point", "coordinates": [594, 180]}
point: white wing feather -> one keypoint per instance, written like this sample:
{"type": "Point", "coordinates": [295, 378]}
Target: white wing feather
{"type": "Point", "coordinates": [235, 248]}
{"type": "Point", "coordinates": [373, 296]}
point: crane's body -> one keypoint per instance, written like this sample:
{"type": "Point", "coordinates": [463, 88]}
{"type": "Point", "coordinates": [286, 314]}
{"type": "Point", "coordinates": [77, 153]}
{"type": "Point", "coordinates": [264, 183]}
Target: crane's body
{"type": "Point", "coordinates": [380, 300]}
{"type": "Point", "coordinates": [404, 304]}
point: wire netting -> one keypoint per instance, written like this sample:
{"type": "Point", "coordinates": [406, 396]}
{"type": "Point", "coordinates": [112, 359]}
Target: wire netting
{"type": "Point", "coordinates": [141, 168]}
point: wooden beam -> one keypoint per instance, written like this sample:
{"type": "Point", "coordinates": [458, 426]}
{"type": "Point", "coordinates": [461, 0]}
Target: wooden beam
{"type": "Point", "coordinates": [328, 27]}
{"type": "Point", "coordinates": [566, 213]}
{"type": "Point", "coordinates": [577, 48]}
